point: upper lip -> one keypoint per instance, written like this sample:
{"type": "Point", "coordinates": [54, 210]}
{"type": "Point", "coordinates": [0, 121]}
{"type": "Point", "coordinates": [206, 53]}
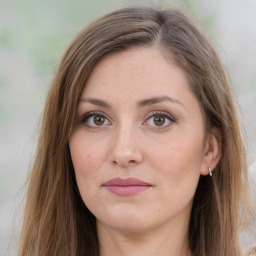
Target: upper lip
{"type": "Point", "coordinates": [126, 182]}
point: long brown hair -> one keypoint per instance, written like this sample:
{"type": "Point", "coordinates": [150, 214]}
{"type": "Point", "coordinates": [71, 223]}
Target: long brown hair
{"type": "Point", "coordinates": [56, 221]}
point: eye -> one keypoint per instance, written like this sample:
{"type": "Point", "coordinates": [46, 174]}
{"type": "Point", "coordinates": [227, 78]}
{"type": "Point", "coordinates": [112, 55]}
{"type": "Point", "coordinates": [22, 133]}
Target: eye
{"type": "Point", "coordinates": [95, 120]}
{"type": "Point", "coordinates": [159, 120]}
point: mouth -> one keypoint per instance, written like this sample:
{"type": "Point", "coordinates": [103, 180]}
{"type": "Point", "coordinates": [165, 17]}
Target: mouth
{"type": "Point", "coordinates": [126, 187]}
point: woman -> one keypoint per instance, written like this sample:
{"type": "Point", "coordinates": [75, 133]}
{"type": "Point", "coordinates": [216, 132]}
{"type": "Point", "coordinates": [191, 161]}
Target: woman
{"type": "Point", "coordinates": [140, 151]}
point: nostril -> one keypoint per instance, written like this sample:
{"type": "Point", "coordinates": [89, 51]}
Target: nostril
{"type": "Point", "coordinates": [125, 156]}
{"type": "Point", "coordinates": [115, 162]}
{"type": "Point", "coordinates": [124, 163]}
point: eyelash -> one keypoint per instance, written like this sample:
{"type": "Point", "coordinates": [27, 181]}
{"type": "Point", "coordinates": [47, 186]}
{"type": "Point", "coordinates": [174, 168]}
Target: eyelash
{"type": "Point", "coordinates": [165, 115]}
{"type": "Point", "coordinates": [87, 116]}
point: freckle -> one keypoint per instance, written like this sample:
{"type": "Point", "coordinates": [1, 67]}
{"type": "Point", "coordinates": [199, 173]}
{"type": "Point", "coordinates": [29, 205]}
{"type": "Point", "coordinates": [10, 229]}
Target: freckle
{"type": "Point", "coordinates": [89, 156]}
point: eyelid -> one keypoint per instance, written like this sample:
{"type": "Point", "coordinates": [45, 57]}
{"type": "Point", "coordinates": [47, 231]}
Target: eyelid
{"type": "Point", "coordinates": [162, 113]}
{"type": "Point", "coordinates": [87, 115]}
{"type": "Point", "coordinates": [91, 113]}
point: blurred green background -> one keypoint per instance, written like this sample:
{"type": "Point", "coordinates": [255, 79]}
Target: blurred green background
{"type": "Point", "coordinates": [33, 36]}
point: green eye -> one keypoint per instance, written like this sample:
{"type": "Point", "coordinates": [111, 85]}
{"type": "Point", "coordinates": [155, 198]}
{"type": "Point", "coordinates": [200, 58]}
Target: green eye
{"type": "Point", "coordinates": [159, 120]}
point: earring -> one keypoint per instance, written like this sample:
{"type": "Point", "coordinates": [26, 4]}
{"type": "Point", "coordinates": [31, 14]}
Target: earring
{"type": "Point", "coordinates": [210, 171]}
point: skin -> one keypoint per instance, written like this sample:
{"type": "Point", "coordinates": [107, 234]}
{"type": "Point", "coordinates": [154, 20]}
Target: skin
{"type": "Point", "coordinates": [127, 141]}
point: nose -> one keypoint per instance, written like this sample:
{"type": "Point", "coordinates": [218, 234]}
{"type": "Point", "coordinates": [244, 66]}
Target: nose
{"type": "Point", "coordinates": [126, 148]}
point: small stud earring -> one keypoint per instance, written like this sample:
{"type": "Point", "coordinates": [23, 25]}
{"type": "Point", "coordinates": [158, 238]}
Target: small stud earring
{"type": "Point", "coordinates": [210, 171]}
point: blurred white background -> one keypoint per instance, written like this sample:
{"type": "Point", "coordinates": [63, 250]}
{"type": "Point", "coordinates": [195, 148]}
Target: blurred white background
{"type": "Point", "coordinates": [34, 34]}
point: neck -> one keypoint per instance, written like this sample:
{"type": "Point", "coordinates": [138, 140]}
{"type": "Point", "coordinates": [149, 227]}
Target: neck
{"type": "Point", "coordinates": [164, 241]}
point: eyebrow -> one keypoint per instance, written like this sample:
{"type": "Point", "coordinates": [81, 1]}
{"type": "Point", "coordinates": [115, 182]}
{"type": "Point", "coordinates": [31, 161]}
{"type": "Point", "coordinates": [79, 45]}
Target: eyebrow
{"type": "Point", "coordinates": [155, 100]}
{"type": "Point", "coordinates": [96, 102]}
{"type": "Point", "coordinates": [142, 103]}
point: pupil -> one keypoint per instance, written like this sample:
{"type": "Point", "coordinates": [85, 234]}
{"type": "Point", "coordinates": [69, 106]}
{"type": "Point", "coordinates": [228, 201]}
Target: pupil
{"type": "Point", "coordinates": [99, 120]}
{"type": "Point", "coordinates": [159, 120]}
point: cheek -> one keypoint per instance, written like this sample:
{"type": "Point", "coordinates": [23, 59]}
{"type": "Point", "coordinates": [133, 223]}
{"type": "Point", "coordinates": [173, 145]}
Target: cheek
{"type": "Point", "coordinates": [177, 156]}
{"type": "Point", "coordinates": [179, 162]}
{"type": "Point", "coordinates": [85, 154]}
{"type": "Point", "coordinates": [87, 159]}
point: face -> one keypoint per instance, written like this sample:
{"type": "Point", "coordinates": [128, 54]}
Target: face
{"type": "Point", "coordinates": [138, 145]}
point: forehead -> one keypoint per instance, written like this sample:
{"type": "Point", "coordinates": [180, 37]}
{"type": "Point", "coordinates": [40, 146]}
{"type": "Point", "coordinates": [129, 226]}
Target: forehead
{"type": "Point", "coordinates": [124, 80]}
{"type": "Point", "coordinates": [143, 70]}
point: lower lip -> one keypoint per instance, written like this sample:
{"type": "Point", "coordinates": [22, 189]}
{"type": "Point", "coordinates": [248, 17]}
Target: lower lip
{"type": "Point", "coordinates": [128, 190]}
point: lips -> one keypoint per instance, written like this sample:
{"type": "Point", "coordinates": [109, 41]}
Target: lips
{"type": "Point", "coordinates": [126, 187]}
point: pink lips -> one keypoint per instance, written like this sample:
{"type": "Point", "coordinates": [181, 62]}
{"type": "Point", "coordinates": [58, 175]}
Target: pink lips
{"type": "Point", "coordinates": [126, 187]}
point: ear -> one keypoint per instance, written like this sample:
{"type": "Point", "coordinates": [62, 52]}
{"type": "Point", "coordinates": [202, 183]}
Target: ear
{"type": "Point", "coordinates": [212, 151]}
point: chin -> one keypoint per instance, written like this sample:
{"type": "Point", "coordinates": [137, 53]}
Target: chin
{"type": "Point", "coordinates": [130, 222]}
